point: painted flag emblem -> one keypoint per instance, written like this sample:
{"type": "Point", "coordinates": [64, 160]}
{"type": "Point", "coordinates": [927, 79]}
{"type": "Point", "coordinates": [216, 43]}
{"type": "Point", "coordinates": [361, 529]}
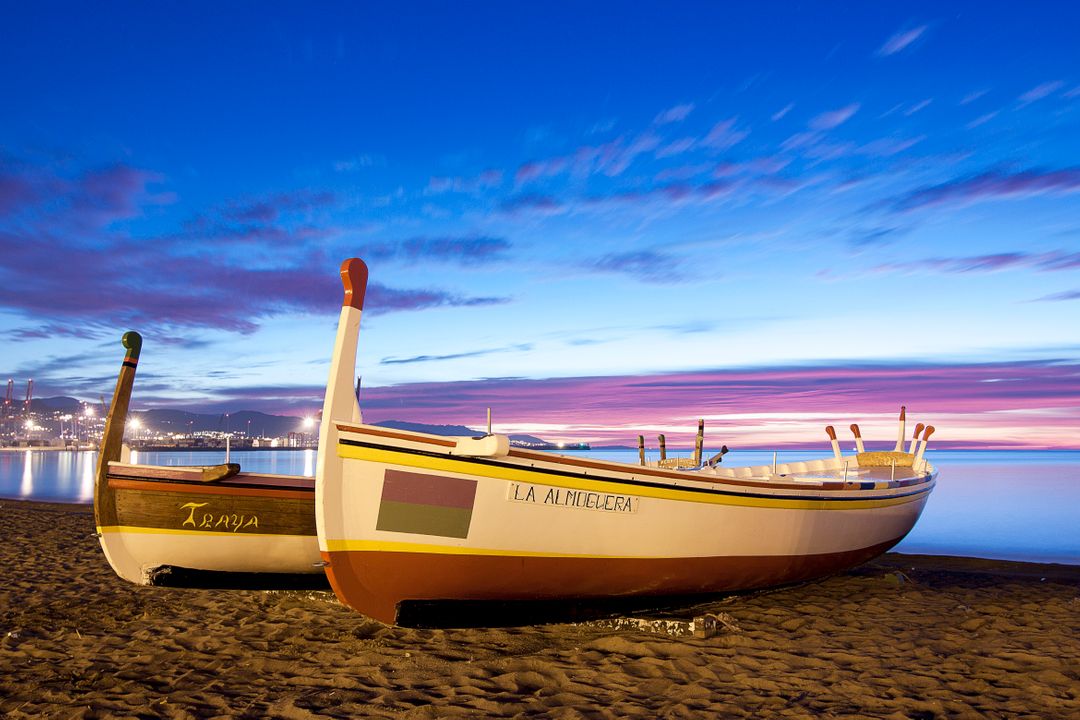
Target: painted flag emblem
{"type": "Point", "coordinates": [426, 504]}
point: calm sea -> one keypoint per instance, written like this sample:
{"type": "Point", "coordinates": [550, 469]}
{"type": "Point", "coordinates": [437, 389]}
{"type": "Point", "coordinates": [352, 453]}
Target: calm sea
{"type": "Point", "coordinates": [1009, 505]}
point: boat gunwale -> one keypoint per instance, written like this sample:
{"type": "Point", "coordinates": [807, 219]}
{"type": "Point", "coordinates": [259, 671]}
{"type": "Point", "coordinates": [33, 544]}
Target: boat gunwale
{"type": "Point", "coordinates": [616, 466]}
{"type": "Point", "coordinates": [122, 469]}
{"type": "Point", "coordinates": [925, 484]}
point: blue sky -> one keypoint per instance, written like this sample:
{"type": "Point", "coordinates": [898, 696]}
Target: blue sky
{"type": "Point", "coordinates": [545, 191]}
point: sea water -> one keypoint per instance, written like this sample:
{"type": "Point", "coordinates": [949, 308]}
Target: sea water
{"type": "Point", "coordinates": [1001, 504]}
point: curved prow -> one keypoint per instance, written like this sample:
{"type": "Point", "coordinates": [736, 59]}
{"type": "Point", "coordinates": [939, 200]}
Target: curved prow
{"type": "Point", "coordinates": [339, 403]}
{"type": "Point", "coordinates": [113, 438]}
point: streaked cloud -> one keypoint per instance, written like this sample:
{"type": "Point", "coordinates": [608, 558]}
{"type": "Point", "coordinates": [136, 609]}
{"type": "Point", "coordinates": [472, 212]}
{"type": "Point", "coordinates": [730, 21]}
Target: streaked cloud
{"type": "Point", "coordinates": [973, 96]}
{"type": "Point", "coordinates": [674, 114]}
{"type": "Point", "coordinates": [522, 347]}
{"type": "Point", "coordinates": [1041, 91]}
{"type": "Point", "coordinates": [901, 40]}
{"type": "Point", "coordinates": [834, 118]}
{"type": "Point", "coordinates": [992, 185]}
{"type": "Point", "coordinates": [918, 107]}
{"type": "Point", "coordinates": [1061, 296]}
{"type": "Point", "coordinates": [460, 249]}
{"type": "Point", "coordinates": [485, 180]}
{"type": "Point", "coordinates": [646, 265]}
{"type": "Point", "coordinates": [724, 135]}
{"type": "Point", "coordinates": [1042, 262]}
{"type": "Point", "coordinates": [273, 207]}
{"type": "Point", "coordinates": [188, 279]}
{"type": "Point", "coordinates": [779, 114]}
{"type": "Point", "coordinates": [982, 119]}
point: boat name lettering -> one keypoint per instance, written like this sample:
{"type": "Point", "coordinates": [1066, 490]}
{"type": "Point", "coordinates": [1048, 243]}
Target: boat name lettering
{"type": "Point", "coordinates": [562, 497]}
{"type": "Point", "coordinates": [205, 520]}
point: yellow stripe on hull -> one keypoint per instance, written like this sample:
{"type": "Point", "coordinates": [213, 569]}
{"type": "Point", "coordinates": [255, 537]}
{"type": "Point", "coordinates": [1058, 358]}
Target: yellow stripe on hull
{"type": "Point", "coordinates": [380, 546]}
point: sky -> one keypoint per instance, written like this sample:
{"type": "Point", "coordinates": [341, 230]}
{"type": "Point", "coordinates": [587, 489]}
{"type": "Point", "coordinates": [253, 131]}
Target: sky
{"type": "Point", "coordinates": [598, 219]}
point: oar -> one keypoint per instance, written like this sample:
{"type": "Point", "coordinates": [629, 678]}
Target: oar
{"type": "Point", "coordinates": [112, 440]}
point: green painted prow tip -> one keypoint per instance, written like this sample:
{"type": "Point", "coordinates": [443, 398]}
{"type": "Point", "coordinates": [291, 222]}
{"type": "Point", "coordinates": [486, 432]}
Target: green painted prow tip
{"type": "Point", "coordinates": [133, 342]}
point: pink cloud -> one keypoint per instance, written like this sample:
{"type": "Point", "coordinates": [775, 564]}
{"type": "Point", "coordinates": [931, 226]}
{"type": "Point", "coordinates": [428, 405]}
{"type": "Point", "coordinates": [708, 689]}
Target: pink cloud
{"type": "Point", "coordinates": [1022, 403]}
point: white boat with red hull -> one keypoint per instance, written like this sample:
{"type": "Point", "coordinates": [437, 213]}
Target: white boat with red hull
{"type": "Point", "coordinates": [404, 516]}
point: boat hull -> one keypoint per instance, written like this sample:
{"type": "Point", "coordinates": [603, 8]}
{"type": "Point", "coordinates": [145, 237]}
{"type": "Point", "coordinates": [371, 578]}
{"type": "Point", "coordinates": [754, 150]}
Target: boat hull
{"type": "Point", "coordinates": [408, 521]}
{"type": "Point", "coordinates": [406, 576]}
{"type": "Point", "coordinates": [164, 518]}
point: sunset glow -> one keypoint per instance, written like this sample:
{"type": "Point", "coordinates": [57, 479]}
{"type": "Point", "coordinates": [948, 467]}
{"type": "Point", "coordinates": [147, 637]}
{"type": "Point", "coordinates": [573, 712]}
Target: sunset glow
{"type": "Point", "coordinates": [600, 221]}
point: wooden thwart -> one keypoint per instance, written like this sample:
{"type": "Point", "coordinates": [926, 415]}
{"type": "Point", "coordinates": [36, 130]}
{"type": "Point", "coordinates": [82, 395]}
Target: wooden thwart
{"type": "Point", "coordinates": [885, 459]}
{"type": "Point", "coordinates": [213, 473]}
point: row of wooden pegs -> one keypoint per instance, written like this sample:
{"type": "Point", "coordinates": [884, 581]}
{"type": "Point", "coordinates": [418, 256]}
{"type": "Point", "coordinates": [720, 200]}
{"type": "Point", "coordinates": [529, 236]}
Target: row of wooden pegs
{"type": "Point", "coordinates": [917, 446]}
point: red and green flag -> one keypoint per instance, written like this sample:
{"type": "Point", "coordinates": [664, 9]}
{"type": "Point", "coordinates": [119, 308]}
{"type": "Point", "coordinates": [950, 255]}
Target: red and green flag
{"type": "Point", "coordinates": [426, 504]}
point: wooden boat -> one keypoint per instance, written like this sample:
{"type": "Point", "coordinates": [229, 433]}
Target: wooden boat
{"type": "Point", "coordinates": [180, 525]}
{"type": "Point", "coordinates": [405, 516]}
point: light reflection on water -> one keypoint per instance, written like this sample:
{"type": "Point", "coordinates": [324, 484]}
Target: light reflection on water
{"type": "Point", "coordinates": [1013, 505]}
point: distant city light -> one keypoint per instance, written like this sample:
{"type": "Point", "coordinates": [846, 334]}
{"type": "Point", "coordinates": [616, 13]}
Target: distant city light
{"type": "Point", "coordinates": [309, 422]}
{"type": "Point", "coordinates": [135, 423]}
{"type": "Point", "coordinates": [89, 412]}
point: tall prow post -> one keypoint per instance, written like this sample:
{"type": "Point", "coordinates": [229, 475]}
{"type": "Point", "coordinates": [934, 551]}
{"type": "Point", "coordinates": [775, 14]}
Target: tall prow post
{"type": "Point", "coordinates": [340, 404]}
{"type": "Point", "coordinates": [113, 438]}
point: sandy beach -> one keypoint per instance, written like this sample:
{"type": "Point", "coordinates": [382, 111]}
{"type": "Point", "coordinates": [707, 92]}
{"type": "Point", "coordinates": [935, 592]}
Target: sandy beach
{"type": "Point", "coordinates": [902, 637]}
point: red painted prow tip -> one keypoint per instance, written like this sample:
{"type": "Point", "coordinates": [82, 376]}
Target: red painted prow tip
{"type": "Point", "coordinates": [831, 431]}
{"type": "Point", "coordinates": [929, 432]}
{"type": "Point", "coordinates": [903, 412]}
{"type": "Point", "coordinates": [855, 430]}
{"type": "Point", "coordinates": [354, 275]}
{"type": "Point", "coordinates": [918, 429]}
